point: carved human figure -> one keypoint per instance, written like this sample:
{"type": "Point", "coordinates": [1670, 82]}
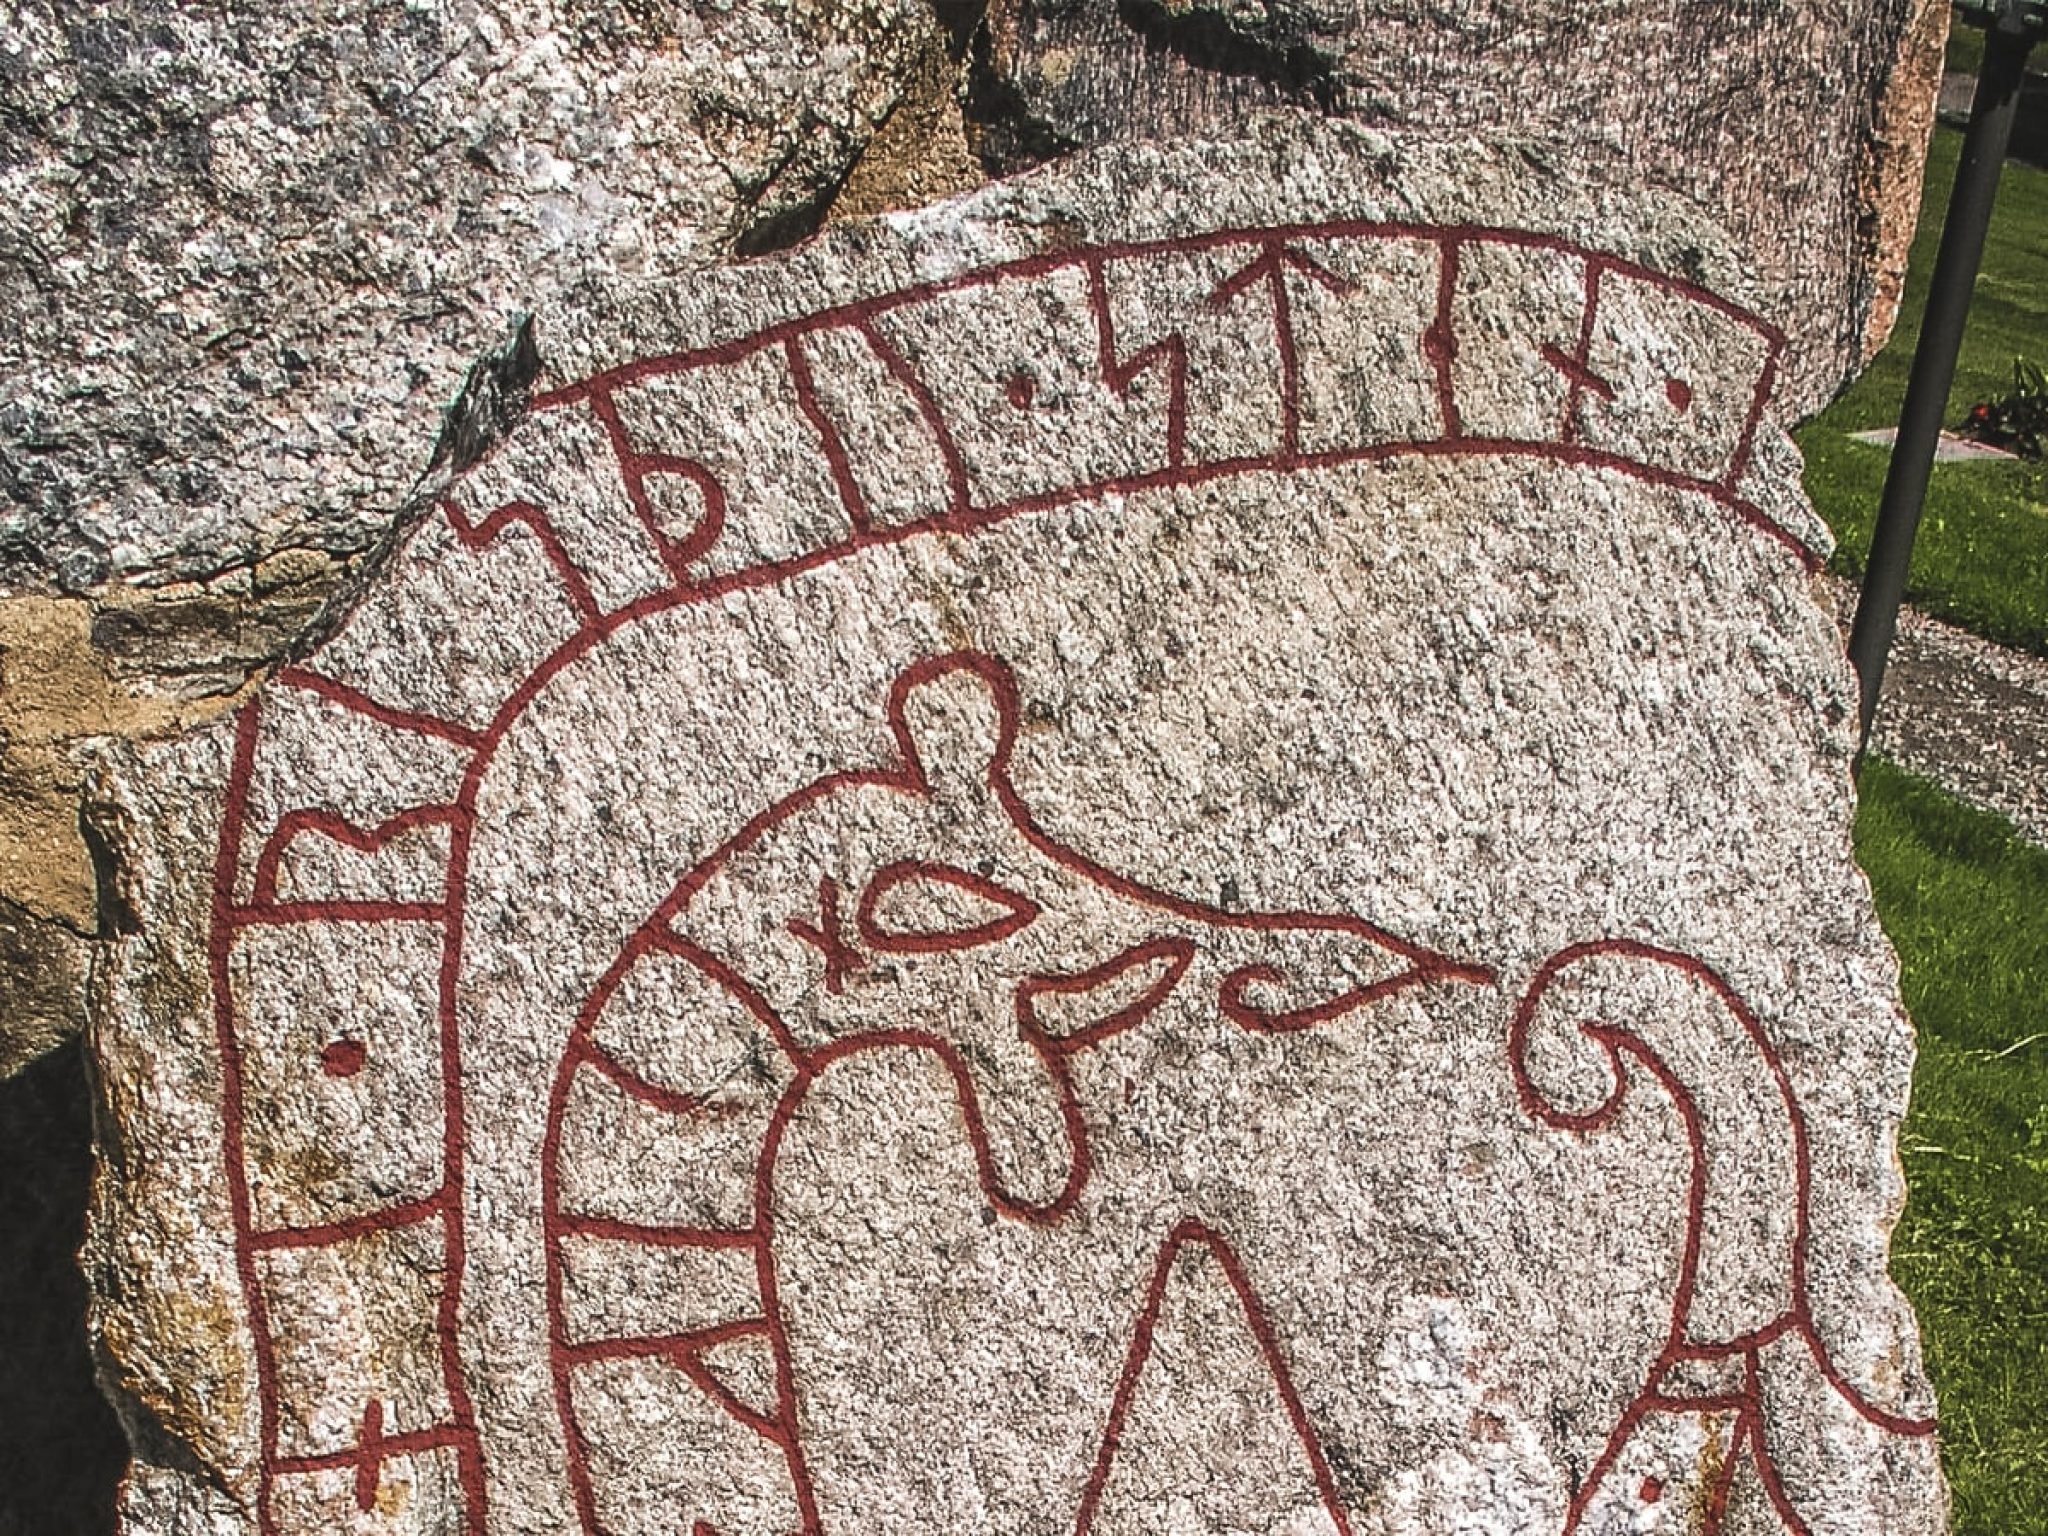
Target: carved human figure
{"type": "Point", "coordinates": [704, 1044]}
{"type": "Point", "coordinates": [943, 1053]}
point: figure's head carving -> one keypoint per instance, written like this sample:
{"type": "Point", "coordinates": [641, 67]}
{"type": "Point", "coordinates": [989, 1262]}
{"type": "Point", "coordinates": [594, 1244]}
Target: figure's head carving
{"type": "Point", "coordinates": [879, 898]}
{"type": "Point", "coordinates": [920, 903]}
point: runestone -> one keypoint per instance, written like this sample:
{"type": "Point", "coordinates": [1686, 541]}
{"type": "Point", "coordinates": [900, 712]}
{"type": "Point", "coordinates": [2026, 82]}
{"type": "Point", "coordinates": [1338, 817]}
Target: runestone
{"type": "Point", "coordinates": [1165, 850]}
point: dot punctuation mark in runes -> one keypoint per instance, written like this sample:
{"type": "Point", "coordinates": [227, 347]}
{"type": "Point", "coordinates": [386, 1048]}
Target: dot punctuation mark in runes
{"type": "Point", "coordinates": [951, 409]}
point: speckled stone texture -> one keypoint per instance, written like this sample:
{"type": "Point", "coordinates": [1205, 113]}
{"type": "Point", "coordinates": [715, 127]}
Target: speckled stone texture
{"type": "Point", "coordinates": [247, 250]}
{"type": "Point", "coordinates": [1801, 124]}
{"type": "Point", "coordinates": [1165, 849]}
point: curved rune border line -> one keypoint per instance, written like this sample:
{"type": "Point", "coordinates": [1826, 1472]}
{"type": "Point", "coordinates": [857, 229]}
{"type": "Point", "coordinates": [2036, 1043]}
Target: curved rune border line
{"type": "Point", "coordinates": [1273, 259]}
{"type": "Point", "coordinates": [1276, 257]}
{"type": "Point", "coordinates": [778, 1426]}
{"type": "Point", "coordinates": [1746, 1403]}
{"type": "Point", "coordinates": [658, 936]}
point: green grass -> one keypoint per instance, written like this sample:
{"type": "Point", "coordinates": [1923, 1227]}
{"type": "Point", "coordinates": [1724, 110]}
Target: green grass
{"type": "Point", "coordinates": [1964, 900]}
{"type": "Point", "coordinates": [1965, 48]}
{"type": "Point", "coordinates": [1982, 556]}
{"type": "Point", "coordinates": [1966, 903]}
{"type": "Point", "coordinates": [1965, 54]}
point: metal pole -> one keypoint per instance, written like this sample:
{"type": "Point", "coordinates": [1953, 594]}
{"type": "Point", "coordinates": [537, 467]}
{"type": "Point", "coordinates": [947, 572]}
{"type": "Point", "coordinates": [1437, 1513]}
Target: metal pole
{"type": "Point", "coordinates": [1992, 111]}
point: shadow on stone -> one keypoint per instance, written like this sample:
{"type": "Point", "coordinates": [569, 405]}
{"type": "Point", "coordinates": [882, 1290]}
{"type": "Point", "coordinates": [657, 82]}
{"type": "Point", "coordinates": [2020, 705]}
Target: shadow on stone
{"type": "Point", "coordinates": [61, 1448]}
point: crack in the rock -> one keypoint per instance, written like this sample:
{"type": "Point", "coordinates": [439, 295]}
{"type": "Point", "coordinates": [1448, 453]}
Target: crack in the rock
{"type": "Point", "coordinates": [493, 400]}
{"type": "Point", "coordinates": [1281, 53]}
{"type": "Point", "coordinates": [103, 827]}
{"type": "Point", "coordinates": [795, 223]}
{"type": "Point", "coordinates": [494, 395]}
{"type": "Point", "coordinates": [1006, 135]}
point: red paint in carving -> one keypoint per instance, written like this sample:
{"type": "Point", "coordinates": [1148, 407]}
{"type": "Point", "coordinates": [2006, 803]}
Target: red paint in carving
{"type": "Point", "coordinates": [1269, 1346]}
{"type": "Point", "coordinates": [384, 714]}
{"type": "Point", "coordinates": [474, 536]}
{"type": "Point", "coordinates": [1121, 377]}
{"type": "Point", "coordinates": [634, 468]}
{"type": "Point", "coordinates": [826, 936]}
{"type": "Point", "coordinates": [263, 897]}
{"type": "Point", "coordinates": [1002, 685]}
{"type": "Point", "coordinates": [343, 1058]}
{"type": "Point", "coordinates": [1578, 373]}
{"type": "Point", "coordinates": [1020, 389]}
{"type": "Point", "coordinates": [1745, 448]}
{"type": "Point", "coordinates": [1620, 1044]}
{"type": "Point", "coordinates": [927, 405]}
{"type": "Point", "coordinates": [966, 520]}
{"type": "Point", "coordinates": [289, 914]}
{"type": "Point", "coordinates": [829, 439]}
{"type": "Point", "coordinates": [772, 1429]}
{"type": "Point", "coordinates": [219, 951]}
{"type": "Point", "coordinates": [389, 1447]}
{"type": "Point", "coordinates": [1275, 259]}
{"type": "Point", "coordinates": [1766, 1466]}
{"type": "Point", "coordinates": [771, 1301]}
{"type": "Point", "coordinates": [1651, 1491]}
{"type": "Point", "coordinates": [1276, 256]}
{"type": "Point", "coordinates": [560, 1359]}
{"type": "Point", "coordinates": [1577, 368]}
{"type": "Point", "coordinates": [910, 777]}
{"type": "Point", "coordinates": [1679, 393]}
{"type": "Point", "coordinates": [1440, 341]}
{"type": "Point", "coordinates": [1248, 1015]}
{"type": "Point", "coordinates": [323, 1234]}
{"type": "Point", "coordinates": [862, 312]}
{"type": "Point", "coordinates": [1176, 953]}
{"type": "Point", "coordinates": [369, 1440]}
{"type": "Point", "coordinates": [585, 1052]}
{"type": "Point", "coordinates": [961, 518]}
{"type": "Point", "coordinates": [653, 1237]}
{"type": "Point", "coordinates": [1016, 912]}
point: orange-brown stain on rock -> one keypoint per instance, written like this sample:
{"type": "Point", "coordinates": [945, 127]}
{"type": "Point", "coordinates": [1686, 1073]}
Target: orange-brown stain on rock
{"type": "Point", "coordinates": [203, 1338]}
{"type": "Point", "coordinates": [136, 663]}
{"type": "Point", "coordinates": [1713, 1458]}
{"type": "Point", "coordinates": [920, 154]}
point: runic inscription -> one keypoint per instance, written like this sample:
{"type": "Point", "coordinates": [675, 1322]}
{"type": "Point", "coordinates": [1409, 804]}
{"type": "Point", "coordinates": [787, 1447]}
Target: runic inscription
{"type": "Point", "coordinates": [1048, 902]}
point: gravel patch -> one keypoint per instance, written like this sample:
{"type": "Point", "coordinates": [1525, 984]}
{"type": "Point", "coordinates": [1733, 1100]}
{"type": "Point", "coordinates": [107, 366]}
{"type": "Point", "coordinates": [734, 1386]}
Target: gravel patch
{"type": "Point", "coordinates": [1968, 714]}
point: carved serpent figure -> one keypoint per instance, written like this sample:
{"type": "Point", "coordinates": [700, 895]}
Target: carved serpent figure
{"type": "Point", "coordinates": [911, 933]}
